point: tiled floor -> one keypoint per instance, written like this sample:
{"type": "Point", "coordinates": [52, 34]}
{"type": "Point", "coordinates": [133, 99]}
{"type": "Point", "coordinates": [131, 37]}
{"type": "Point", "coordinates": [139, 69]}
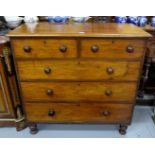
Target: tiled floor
{"type": "Point", "coordinates": [142, 127]}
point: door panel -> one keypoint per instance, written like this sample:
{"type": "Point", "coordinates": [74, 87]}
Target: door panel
{"type": "Point", "coordinates": [6, 109]}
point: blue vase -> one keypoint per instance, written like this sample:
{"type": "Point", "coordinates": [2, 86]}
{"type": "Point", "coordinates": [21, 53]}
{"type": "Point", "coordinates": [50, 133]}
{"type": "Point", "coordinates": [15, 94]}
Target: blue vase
{"type": "Point", "coordinates": [153, 21]}
{"type": "Point", "coordinates": [120, 19]}
{"type": "Point", "coordinates": [58, 19]}
{"type": "Point", "coordinates": [133, 20]}
{"type": "Point", "coordinates": [142, 21]}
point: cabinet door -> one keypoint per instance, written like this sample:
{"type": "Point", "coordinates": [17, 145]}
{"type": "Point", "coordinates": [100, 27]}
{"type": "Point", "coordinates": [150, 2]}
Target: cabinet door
{"type": "Point", "coordinates": [6, 109]}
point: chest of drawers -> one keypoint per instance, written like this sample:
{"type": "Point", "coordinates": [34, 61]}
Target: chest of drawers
{"type": "Point", "coordinates": [78, 73]}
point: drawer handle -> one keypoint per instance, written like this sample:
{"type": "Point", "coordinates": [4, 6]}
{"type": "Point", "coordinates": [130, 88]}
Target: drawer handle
{"type": "Point", "coordinates": [47, 70]}
{"type": "Point", "coordinates": [110, 70]}
{"type": "Point", "coordinates": [51, 113]}
{"type": "Point", "coordinates": [94, 48]}
{"type": "Point", "coordinates": [108, 92]}
{"type": "Point", "coordinates": [130, 49]}
{"type": "Point", "coordinates": [106, 113]}
{"type": "Point", "coordinates": [63, 48]}
{"type": "Point", "coordinates": [49, 92]}
{"type": "Point", "coordinates": [27, 48]}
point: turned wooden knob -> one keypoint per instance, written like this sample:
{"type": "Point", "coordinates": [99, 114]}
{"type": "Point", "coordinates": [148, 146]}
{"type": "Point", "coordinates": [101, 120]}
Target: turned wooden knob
{"type": "Point", "coordinates": [94, 48]}
{"type": "Point", "coordinates": [63, 48]}
{"type": "Point", "coordinates": [130, 49]}
{"type": "Point", "coordinates": [27, 48]}
{"type": "Point", "coordinates": [49, 92]}
{"type": "Point", "coordinates": [108, 92]}
{"type": "Point", "coordinates": [47, 70]}
{"type": "Point", "coordinates": [110, 70]}
{"type": "Point", "coordinates": [106, 113]}
{"type": "Point", "coordinates": [51, 113]}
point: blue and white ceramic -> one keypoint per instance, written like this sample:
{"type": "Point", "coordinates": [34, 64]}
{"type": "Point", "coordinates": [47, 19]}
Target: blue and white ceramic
{"type": "Point", "coordinates": [133, 20]}
{"type": "Point", "coordinates": [142, 20]}
{"type": "Point", "coordinates": [153, 21]}
{"type": "Point", "coordinates": [120, 19]}
{"type": "Point", "coordinates": [58, 19]}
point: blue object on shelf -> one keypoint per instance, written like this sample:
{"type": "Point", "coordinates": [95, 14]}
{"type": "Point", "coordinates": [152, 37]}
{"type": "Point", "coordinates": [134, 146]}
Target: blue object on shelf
{"type": "Point", "coordinates": [133, 20]}
{"type": "Point", "coordinates": [120, 19]}
{"type": "Point", "coordinates": [153, 21]}
{"type": "Point", "coordinates": [142, 20]}
{"type": "Point", "coordinates": [58, 19]}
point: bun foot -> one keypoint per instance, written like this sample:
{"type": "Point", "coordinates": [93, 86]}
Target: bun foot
{"type": "Point", "coordinates": [122, 129]}
{"type": "Point", "coordinates": [33, 129]}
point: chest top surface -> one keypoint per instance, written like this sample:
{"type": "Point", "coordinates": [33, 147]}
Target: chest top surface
{"type": "Point", "coordinates": [44, 29]}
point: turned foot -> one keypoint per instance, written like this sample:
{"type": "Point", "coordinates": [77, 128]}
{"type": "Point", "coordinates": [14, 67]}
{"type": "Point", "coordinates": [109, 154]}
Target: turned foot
{"type": "Point", "coordinates": [33, 129]}
{"type": "Point", "coordinates": [122, 129]}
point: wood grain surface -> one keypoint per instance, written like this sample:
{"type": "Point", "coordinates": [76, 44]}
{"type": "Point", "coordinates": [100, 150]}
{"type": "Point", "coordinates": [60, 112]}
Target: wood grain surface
{"type": "Point", "coordinates": [76, 112]}
{"type": "Point", "coordinates": [78, 70]}
{"type": "Point", "coordinates": [78, 91]}
{"type": "Point", "coordinates": [44, 48]}
{"type": "Point", "coordinates": [44, 29]}
{"type": "Point", "coordinates": [112, 48]}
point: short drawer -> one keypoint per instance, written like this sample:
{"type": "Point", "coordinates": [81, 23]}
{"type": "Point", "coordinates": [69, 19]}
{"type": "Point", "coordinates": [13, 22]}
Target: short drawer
{"type": "Point", "coordinates": [78, 91]}
{"type": "Point", "coordinates": [44, 48]}
{"type": "Point", "coordinates": [112, 48]}
{"type": "Point", "coordinates": [76, 112]}
{"type": "Point", "coordinates": [78, 70]}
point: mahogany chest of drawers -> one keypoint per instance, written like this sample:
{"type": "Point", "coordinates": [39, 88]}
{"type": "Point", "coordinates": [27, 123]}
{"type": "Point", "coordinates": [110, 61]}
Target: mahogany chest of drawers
{"type": "Point", "coordinates": [78, 73]}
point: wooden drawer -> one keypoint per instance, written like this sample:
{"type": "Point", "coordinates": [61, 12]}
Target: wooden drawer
{"type": "Point", "coordinates": [78, 91]}
{"type": "Point", "coordinates": [44, 48]}
{"type": "Point", "coordinates": [78, 70]}
{"type": "Point", "coordinates": [112, 48]}
{"type": "Point", "coordinates": [76, 112]}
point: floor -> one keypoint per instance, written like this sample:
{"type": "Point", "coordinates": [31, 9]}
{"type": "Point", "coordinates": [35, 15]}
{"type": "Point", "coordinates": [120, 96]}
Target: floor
{"type": "Point", "coordinates": [142, 127]}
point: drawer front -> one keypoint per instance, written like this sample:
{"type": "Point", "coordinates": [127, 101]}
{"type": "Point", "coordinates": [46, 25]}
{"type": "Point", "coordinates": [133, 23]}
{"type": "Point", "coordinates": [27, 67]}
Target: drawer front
{"type": "Point", "coordinates": [78, 70]}
{"type": "Point", "coordinates": [108, 48]}
{"type": "Point", "coordinates": [85, 112]}
{"type": "Point", "coordinates": [44, 48]}
{"type": "Point", "coordinates": [78, 91]}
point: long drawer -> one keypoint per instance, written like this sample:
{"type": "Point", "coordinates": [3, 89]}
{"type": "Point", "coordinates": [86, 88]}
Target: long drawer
{"type": "Point", "coordinates": [78, 70]}
{"type": "Point", "coordinates": [78, 91]}
{"type": "Point", "coordinates": [76, 112]}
